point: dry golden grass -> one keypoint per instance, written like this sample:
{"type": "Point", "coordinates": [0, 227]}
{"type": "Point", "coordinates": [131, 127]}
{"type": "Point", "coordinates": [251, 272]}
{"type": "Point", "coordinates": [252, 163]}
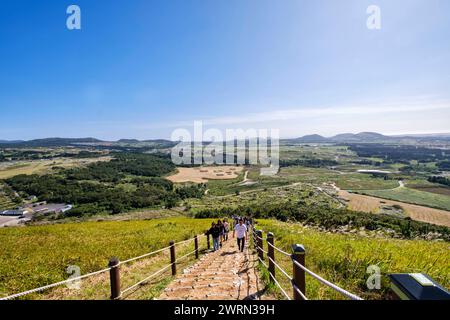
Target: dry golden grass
{"type": "Point", "coordinates": [203, 174]}
{"type": "Point", "coordinates": [8, 170]}
{"type": "Point", "coordinates": [370, 204]}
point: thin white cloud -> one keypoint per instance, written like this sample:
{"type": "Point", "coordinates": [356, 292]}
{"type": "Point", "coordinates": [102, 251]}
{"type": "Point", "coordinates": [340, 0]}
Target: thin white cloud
{"type": "Point", "coordinates": [407, 115]}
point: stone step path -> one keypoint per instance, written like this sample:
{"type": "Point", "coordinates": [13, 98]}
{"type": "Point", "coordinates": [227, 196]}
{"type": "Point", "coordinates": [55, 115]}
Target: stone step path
{"type": "Point", "coordinates": [226, 274]}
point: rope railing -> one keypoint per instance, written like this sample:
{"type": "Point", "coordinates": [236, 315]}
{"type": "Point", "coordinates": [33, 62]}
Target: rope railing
{"type": "Point", "coordinates": [297, 282]}
{"type": "Point", "coordinates": [146, 279]}
{"type": "Point", "coordinates": [279, 250]}
{"type": "Point", "coordinates": [157, 272]}
{"type": "Point", "coordinates": [43, 288]}
{"type": "Point", "coordinates": [300, 293]}
{"type": "Point", "coordinates": [115, 267]}
{"type": "Point", "coordinates": [278, 284]}
{"type": "Point", "coordinates": [327, 283]}
{"type": "Point", "coordinates": [281, 269]}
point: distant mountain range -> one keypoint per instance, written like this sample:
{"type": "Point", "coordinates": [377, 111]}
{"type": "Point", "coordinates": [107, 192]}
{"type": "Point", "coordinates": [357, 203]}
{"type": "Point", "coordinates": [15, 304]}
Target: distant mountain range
{"type": "Point", "coordinates": [61, 142]}
{"type": "Point", "coordinates": [362, 137]}
{"type": "Point", "coordinates": [369, 137]}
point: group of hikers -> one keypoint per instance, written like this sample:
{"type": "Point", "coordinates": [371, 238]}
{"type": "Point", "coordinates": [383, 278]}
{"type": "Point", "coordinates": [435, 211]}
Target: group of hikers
{"type": "Point", "coordinates": [219, 231]}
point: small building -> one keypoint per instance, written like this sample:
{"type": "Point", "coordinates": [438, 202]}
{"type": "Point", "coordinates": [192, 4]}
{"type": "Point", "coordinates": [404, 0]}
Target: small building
{"type": "Point", "coordinates": [14, 213]}
{"type": "Point", "coordinates": [46, 208]}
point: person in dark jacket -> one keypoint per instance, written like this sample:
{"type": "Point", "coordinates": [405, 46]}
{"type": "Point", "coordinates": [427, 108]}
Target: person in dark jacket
{"type": "Point", "coordinates": [214, 231]}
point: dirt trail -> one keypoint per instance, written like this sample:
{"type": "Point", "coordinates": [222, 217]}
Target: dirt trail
{"type": "Point", "coordinates": [226, 274]}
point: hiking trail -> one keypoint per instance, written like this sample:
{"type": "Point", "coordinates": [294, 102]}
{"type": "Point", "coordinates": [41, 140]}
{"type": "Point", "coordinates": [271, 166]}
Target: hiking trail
{"type": "Point", "coordinates": [226, 274]}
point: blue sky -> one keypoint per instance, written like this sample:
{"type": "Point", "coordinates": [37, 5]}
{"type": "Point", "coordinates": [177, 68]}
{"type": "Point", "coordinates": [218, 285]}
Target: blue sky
{"type": "Point", "coordinates": [142, 68]}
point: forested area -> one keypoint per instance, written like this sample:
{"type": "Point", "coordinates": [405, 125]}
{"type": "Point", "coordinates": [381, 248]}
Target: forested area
{"type": "Point", "coordinates": [97, 187]}
{"type": "Point", "coordinates": [399, 153]}
{"type": "Point", "coordinates": [444, 165]}
{"type": "Point", "coordinates": [312, 163]}
{"type": "Point", "coordinates": [441, 180]}
{"type": "Point", "coordinates": [23, 155]}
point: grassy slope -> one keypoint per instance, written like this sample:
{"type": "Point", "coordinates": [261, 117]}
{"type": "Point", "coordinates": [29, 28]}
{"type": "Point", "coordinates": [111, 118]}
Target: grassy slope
{"type": "Point", "coordinates": [343, 259]}
{"type": "Point", "coordinates": [36, 256]}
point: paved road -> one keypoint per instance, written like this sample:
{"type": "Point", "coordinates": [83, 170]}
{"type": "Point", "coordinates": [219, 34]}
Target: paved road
{"type": "Point", "coordinates": [6, 221]}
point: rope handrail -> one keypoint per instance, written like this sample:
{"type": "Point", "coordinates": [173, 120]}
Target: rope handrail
{"type": "Point", "coordinates": [258, 237]}
{"type": "Point", "coordinates": [327, 283]}
{"type": "Point", "coordinates": [275, 280]}
{"type": "Point", "coordinates": [258, 247]}
{"type": "Point", "coordinates": [144, 255]}
{"type": "Point", "coordinates": [186, 255]}
{"type": "Point", "coordinates": [158, 251]}
{"type": "Point", "coordinates": [299, 291]}
{"type": "Point", "coordinates": [296, 263]}
{"type": "Point", "coordinates": [157, 272]}
{"type": "Point", "coordinates": [281, 269]}
{"type": "Point", "coordinates": [18, 295]}
{"type": "Point", "coordinates": [279, 250]}
{"type": "Point", "coordinates": [147, 278]}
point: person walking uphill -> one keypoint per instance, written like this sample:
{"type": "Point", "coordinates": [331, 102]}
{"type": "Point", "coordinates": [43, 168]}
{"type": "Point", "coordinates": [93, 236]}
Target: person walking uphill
{"type": "Point", "coordinates": [240, 230]}
{"type": "Point", "coordinates": [226, 227]}
{"type": "Point", "coordinates": [214, 231]}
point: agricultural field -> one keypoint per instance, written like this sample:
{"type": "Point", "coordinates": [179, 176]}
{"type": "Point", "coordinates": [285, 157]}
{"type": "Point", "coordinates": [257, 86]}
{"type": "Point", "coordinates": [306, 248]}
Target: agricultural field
{"type": "Point", "coordinates": [364, 203]}
{"type": "Point", "coordinates": [316, 151]}
{"type": "Point", "coordinates": [8, 170]}
{"type": "Point", "coordinates": [343, 259]}
{"type": "Point", "coordinates": [203, 174]}
{"type": "Point", "coordinates": [39, 255]}
{"type": "Point", "coordinates": [413, 196]}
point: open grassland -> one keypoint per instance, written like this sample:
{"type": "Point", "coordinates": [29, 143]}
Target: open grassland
{"type": "Point", "coordinates": [262, 197]}
{"type": "Point", "coordinates": [413, 196]}
{"type": "Point", "coordinates": [343, 259]}
{"type": "Point", "coordinates": [426, 186]}
{"type": "Point", "coordinates": [39, 255]}
{"type": "Point", "coordinates": [358, 202]}
{"type": "Point", "coordinates": [8, 170]}
{"type": "Point", "coordinates": [344, 180]}
{"type": "Point", "coordinates": [315, 151]}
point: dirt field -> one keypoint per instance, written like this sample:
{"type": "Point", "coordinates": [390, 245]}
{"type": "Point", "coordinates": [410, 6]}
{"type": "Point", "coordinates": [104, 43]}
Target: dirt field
{"type": "Point", "coordinates": [371, 204]}
{"type": "Point", "coordinates": [203, 174]}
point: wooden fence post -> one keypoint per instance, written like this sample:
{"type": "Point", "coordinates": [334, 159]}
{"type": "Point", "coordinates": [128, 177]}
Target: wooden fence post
{"type": "Point", "coordinates": [114, 278]}
{"type": "Point", "coordinates": [196, 246]}
{"type": "Point", "coordinates": [299, 274]}
{"type": "Point", "coordinates": [172, 257]}
{"type": "Point", "coordinates": [271, 254]}
{"type": "Point", "coordinates": [260, 244]}
{"type": "Point", "coordinates": [207, 239]}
